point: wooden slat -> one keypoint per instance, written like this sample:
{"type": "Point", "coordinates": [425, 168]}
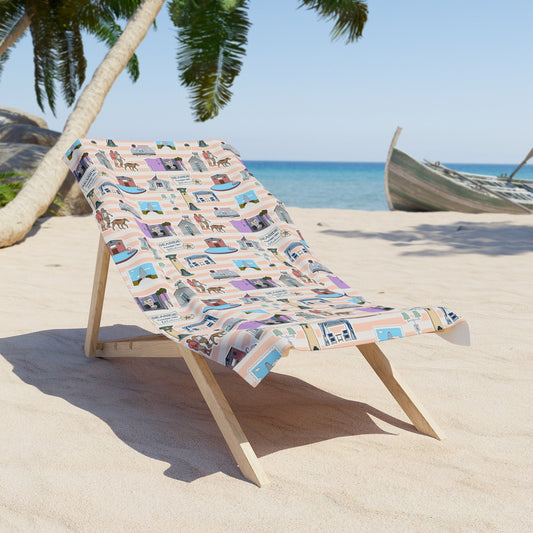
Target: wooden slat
{"type": "Point", "coordinates": [97, 298]}
{"type": "Point", "coordinates": [235, 438]}
{"type": "Point", "coordinates": [149, 346]}
{"type": "Point", "coordinates": [405, 398]}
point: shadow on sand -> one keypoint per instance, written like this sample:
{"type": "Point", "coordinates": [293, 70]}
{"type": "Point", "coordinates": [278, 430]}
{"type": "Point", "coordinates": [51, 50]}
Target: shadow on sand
{"type": "Point", "coordinates": [489, 238]}
{"type": "Point", "coordinates": [154, 406]}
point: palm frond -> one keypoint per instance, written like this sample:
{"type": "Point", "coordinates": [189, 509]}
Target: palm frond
{"type": "Point", "coordinates": [71, 63]}
{"type": "Point", "coordinates": [350, 16]}
{"type": "Point", "coordinates": [10, 14]}
{"type": "Point", "coordinates": [212, 36]}
{"type": "Point", "coordinates": [44, 56]}
{"type": "Point", "coordinates": [99, 19]}
{"type": "Point", "coordinates": [108, 32]}
{"type": "Point", "coordinates": [3, 58]}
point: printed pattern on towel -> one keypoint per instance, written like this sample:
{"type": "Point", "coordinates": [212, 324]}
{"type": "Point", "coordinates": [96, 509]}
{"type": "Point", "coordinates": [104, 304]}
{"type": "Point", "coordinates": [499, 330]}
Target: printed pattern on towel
{"type": "Point", "coordinates": [215, 261]}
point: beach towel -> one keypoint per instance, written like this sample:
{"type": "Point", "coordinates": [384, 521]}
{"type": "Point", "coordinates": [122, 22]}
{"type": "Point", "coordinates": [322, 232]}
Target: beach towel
{"type": "Point", "coordinates": [215, 262]}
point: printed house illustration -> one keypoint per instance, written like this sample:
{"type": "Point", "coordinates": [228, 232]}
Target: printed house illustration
{"type": "Point", "coordinates": [196, 163]}
{"type": "Point", "coordinates": [128, 184]}
{"type": "Point", "coordinates": [207, 321]}
{"type": "Point", "coordinates": [247, 244]}
{"type": "Point", "coordinates": [253, 224]}
{"type": "Point", "coordinates": [226, 212]}
{"type": "Point", "coordinates": [119, 252]}
{"type": "Point", "coordinates": [234, 355]}
{"type": "Point", "coordinates": [198, 260]}
{"type": "Point", "coordinates": [223, 183]}
{"type": "Point", "coordinates": [83, 164]}
{"type": "Point", "coordinates": [288, 280]}
{"type": "Point", "coordinates": [93, 199]}
{"type": "Point", "coordinates": [253, 284]}
{"type": "Point", "coordinates": [141, 149]}
{"type": "Point", "coordinates": [183, 294]}
{"type": "Point", "coordinates": [187, 226]}
{"type": "Point", "coordinates": [217, 246]}
{"type": "Point", "coordinates": [126, 181]}
{"type": "Point", "coordinates": [295, 250]}
{"type": "Point", "coordinates": [162, 164]}
{"type": "Point", "coordinates": [156, 231]}
{"type": "Point", "coordinates": [158, 301]}
{"type": "Point", "coordinates": [157, 184]}
{"type": "Point", "coordinates": [205, 196]}
{"type": "Point", "coordinates": [336, 331]}
{"type": "Point", "coordinates": [102, 158]}
{"type": "Point", "coordinates": [282, 213]}
{"type": "Point", "coordinates": [224, 273]}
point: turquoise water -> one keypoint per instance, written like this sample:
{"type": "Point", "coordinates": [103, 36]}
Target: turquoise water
{"type": "Point", "coordinates": [344, 185]}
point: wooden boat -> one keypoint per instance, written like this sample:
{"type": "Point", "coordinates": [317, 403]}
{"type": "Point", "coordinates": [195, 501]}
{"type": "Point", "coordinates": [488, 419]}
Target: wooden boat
{"type": "Point", "coordinates": [411, 185]}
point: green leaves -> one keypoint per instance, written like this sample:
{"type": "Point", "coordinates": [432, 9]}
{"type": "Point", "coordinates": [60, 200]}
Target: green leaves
{"type": "Point", "coordinates": [9, 188]}
{"type": "Point", "coordinates": [100, 19]}
{"type": "Point", "coordinates": [56, 28]}
{"type": "Point", "coordinates": [212, 35]}
{"type": "Point", "coordinates": [10, 14]}
{"type": "Point", "coordinates": [350, 16]}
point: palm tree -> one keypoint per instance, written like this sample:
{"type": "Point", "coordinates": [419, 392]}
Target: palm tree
{"type": "Point", "coordinates": [55, 29]}
{"type": "Point", "coordinates": [211, 34]}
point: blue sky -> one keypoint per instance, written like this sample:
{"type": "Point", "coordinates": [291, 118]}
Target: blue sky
{"type": "Point", "coordinates": [456, 75]}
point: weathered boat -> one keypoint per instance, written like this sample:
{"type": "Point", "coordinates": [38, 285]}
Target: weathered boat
{"type": "Point", "coordinates": [411, 185]}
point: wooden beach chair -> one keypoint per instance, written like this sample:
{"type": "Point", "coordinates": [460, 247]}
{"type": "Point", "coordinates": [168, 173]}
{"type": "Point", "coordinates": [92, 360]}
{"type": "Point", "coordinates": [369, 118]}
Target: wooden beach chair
{"type": "Point", "coordinates": [218, 267]}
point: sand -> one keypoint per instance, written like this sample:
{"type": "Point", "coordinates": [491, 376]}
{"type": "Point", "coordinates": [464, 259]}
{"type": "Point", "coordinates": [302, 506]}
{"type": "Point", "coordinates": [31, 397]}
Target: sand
{"type": "Point", "coordinates": [129, 445]}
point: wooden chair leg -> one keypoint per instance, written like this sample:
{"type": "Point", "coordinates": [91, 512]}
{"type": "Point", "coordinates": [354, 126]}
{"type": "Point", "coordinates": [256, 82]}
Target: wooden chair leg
{"type": "Point", "coordinates": [97, 298]}
{"type": "Point", "coordinates": [405, 398]}
{"type": "Point", "coordinates": [225, 418]}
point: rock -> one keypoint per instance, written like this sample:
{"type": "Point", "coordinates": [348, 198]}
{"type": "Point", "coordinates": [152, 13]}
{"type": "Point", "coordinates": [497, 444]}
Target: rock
{"type": "Point", "coordinates": [28, 134]}
{"type": "Point", "coordinates": [23, 158]}
{"type": "Point", "coordinates": [9, 115]}
{"type": "Point", "coordinates": [24, 140]}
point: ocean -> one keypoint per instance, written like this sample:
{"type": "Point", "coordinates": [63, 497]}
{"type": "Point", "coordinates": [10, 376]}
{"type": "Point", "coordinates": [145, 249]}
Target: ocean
{"type": "Point", "coordinates": [344, 185]}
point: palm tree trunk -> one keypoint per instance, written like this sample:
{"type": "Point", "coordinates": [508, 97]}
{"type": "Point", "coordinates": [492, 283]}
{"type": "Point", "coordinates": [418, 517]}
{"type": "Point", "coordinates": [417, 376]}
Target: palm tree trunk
{"type": "Point", "coordinates": [18, 216]}
{"type": "Point", "coordinates": [16, 32]}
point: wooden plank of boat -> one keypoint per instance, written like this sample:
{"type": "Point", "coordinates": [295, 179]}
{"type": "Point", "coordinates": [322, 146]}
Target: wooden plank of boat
{"type": "Point", "coordinates": [480, 185]}
{"type": "Point", "coordinates": [412, 186]}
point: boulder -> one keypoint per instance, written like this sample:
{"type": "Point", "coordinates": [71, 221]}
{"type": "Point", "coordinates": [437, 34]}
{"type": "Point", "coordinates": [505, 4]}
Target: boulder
{"type": "Point", "coordinates": [9, 115]}
{"type": "Point", "coordinates": [28, 134]}
{"type": "Point", "coordinates": [25, 158]}
{"type": "Point", "coordinates": [24, 140]}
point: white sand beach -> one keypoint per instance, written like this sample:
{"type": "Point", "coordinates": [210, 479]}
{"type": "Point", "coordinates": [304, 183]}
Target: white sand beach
{"type": "Point", "coordinates": [129, 445]}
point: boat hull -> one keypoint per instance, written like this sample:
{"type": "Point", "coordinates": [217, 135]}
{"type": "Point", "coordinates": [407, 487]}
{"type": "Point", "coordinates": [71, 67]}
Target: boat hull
{"type": "Point", "coordinates": [413, 186]}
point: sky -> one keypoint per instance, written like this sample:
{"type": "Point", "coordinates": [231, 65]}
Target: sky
{"type": "Point", "coordinates": [456, 75]}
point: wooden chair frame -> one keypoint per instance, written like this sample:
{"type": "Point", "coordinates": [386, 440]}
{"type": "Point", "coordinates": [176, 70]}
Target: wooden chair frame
{"type": "Point", "coordinates": [161, 346]}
